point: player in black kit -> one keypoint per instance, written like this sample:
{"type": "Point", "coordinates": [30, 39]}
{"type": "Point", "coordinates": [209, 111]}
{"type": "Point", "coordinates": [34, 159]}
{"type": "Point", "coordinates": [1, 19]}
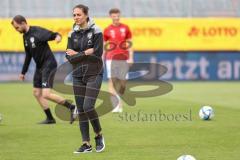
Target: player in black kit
{"type": "Point", "coordinates": [36, 46]}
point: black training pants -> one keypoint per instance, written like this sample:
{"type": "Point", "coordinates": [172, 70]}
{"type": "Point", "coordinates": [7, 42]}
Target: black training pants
{"type": "Point", "coordinates": [86, 90]}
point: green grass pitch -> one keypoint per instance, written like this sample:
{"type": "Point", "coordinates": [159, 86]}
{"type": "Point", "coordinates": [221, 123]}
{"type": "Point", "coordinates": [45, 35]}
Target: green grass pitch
{"type": "Point", "coordinates": [128, 138]}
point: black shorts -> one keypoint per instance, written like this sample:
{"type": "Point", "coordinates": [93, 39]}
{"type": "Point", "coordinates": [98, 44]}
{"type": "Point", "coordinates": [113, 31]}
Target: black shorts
{"type": "Point", "coordinates": [44, 77]}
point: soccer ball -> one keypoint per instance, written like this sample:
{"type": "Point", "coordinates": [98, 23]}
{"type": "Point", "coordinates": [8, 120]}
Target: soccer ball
{"type": "Point", "coordinates": [186, 157]}
{"type": "Point", "coordinates": [206, 113]}
{"type": "Point", "coordinates": [0, 118]}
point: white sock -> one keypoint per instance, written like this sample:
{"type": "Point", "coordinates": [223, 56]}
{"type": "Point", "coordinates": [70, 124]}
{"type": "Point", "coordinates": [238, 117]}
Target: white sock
{"type": "Point", "coordinates": [116, 101]}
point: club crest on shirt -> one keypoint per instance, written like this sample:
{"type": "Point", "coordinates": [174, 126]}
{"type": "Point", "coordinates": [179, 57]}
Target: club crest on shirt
{"type": "Point", "coordinates": [89, 35]}
{"type": "Point", "coordinates": [25, 42]}
{"type": "Point", "coordinates": [75, 40]}
{"type": "Point", "coordinates": [112, 33]}
{"type": "Point", "coordinates": [32, 39]}
{"type": "Point", "coordinates": [122, 30]}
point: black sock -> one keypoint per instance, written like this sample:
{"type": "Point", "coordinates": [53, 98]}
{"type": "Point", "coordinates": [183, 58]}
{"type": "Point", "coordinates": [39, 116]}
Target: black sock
{"type": "Point", "coordinates": [68, 105]}
{"type": "Point", "coordinates": [48, 114]}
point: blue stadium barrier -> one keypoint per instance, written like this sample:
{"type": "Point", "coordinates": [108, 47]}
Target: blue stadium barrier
{"type": "Point", "coordinates": [182, 66]}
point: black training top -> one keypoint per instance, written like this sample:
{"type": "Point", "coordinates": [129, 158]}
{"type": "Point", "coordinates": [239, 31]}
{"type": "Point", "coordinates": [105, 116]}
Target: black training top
{"type": "Point", "coordinates": [36, 47]}
{"type": "Point", "coordinates": [82, 39]}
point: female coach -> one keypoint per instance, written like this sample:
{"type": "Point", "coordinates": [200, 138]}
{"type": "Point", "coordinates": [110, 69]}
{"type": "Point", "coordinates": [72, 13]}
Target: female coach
{"type": "Point", "coordinates": [84, 51]}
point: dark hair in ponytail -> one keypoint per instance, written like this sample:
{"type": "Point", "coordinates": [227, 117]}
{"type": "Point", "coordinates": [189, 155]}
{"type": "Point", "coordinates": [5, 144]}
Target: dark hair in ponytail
{"type": "Point", "coordinates": [83, 8]}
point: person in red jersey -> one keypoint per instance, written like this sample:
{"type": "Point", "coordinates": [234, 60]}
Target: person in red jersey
{"type": "Point", "coordinates": [118, 55]}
